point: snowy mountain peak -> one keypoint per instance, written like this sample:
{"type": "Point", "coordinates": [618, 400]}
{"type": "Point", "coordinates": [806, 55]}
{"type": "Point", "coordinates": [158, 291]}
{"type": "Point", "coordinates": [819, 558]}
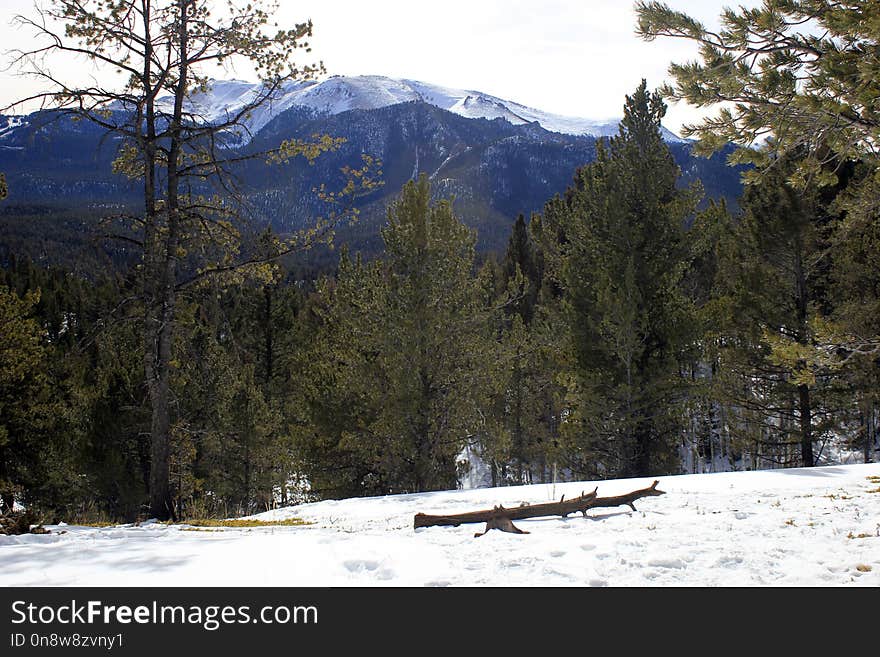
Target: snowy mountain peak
{"type": "Point", "coordinates": [338, 94]}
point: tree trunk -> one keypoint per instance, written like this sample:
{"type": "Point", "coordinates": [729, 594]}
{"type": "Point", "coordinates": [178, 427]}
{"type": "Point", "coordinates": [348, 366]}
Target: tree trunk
{"type": "Point", "coordinates": [269, 339]}
{"type": "Point", "coordinates": [7, 498]}
{"type": "Point", "coordinates": [643, 448]}
{"type": "Point", "coordinates": [806, 418]}
{"type": "Point", "coordinates": [159, 336]}
{"type": "Point", "coordinates": [518, 438]}
{"type": "Point", "coordinates": [161, 502]}
{"type": "Point", "coordinates": [161, 317]}
{"type": "Point", "coordinates": [495, 518]}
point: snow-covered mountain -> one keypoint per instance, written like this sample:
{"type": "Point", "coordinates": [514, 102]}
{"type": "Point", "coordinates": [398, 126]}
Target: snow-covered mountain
{"type": "Point", "coordinates": [495, 157]}
{"type": "Point", "coordinates": [338, 94]}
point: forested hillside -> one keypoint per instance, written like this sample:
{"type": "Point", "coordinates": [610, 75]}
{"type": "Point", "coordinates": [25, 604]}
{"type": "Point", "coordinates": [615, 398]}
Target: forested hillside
{"type": "Point", "coordinates": [179, 339]}
{"type": "Point", "coordinates": [61, 169]}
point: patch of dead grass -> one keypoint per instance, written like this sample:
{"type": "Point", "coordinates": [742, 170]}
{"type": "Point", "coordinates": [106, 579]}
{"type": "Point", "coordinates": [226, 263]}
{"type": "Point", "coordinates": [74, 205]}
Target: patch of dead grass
{"type": "Point", "coordinates": [245, 523]}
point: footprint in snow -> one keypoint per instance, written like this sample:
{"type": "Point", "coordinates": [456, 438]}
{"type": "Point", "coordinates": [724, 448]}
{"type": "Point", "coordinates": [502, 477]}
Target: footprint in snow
{"type": "Point", "coordinates": [729, 561]}
{"type": "Point", "coordinates": [667, 563]}
{"type": "Point", "coordinates": [360, 565]}
{"type": "Point", "coordinates": [557, 553]}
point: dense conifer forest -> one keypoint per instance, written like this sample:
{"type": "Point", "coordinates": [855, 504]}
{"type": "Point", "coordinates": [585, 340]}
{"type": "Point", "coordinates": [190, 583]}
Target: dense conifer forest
{"type": "Point", "coordinates": [633, 326]}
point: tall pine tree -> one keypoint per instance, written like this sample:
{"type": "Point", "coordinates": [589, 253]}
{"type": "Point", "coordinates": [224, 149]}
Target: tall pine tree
{"type": "Point", "coordinates": [620, 238]}
{"type": "Point", "coordinates": [400, 362]}
{"type": "Point", "coordinates": [25, 397]}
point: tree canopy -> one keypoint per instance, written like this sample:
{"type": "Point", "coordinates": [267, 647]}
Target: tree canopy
{"type": "Point", "coordinates": [621, 261]}
{"type": "Point", "coordinates": [190, 226]}
{"type": "Point", "coordinates": [804, 74]}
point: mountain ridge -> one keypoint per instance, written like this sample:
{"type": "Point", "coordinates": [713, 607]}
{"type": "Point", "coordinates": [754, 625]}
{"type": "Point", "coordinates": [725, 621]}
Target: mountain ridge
{"type": "Point", "coordinates": [337, 94]}
{"type": "Point", "coordinates": [495, 169]}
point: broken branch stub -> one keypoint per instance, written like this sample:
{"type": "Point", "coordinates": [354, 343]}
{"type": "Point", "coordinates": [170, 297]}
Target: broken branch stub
{"type": "Point", "coordinates": [502, 519]}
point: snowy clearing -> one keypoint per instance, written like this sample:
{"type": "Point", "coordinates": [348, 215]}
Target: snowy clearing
{"type": "Point", "coordinates": [800, 527]}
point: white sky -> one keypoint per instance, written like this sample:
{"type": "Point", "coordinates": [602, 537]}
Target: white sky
{"type": "Point", "coordinates": [570, 57]}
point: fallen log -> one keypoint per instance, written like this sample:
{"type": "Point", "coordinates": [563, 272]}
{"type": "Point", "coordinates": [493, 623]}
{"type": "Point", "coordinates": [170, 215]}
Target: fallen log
{"type": "Point", "coordinates": [20, 522]}
{"type": "Point", "coordinates": [562, 507]}
{"type": "Point", "coordinates": [502, 518]}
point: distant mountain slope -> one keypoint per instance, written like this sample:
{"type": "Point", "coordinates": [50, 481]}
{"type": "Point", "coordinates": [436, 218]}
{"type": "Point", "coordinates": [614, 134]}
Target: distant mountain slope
{"type": "Point", "coordinates": [495, 166]}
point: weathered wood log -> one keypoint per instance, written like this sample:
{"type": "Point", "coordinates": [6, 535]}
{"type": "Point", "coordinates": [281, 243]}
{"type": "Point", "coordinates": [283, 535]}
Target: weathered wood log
{"type": "Point", "coordinates": [561, 508]}
{"type": "Point", "coordinates": [628, 498]}
{"type": "Point", "coordinates": [502, 523]}
{"type": "Point", "coordinates": [501, 518]}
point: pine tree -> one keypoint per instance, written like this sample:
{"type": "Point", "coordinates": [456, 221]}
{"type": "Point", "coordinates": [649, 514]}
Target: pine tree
{"type": "Point", "coordinates": [91, 458]}
{"type": "Point", "coordinates": [230, 452]}
{"type": "Point", "coordinates": [521, 259]}
{"type": "Point", "coordinates": [431, 352]}
{"type": "Point", "coordinates": [855, 288]}
{"type": "Point", "coordinates": [399, 373]}
{"type": "Point", "coordinates": [524, 406]}
{"type": "Point", "coordinates": [25, 402]}
{"type": "Point", "coordinates": [775, 271]}
{"type": "Point", "coordinates": [333, 393]}
{"type": "Point", "coordinates": [799, 77]}
{"type": "Point", "coordinates": [109, 422]}
{"type": "Point", "coordinates": [523, 412]}
{"type": "Point", "coordinates": [189, 226]}
{"type": "Point", "coordinates": [802, 72]}
{"type": "Point", "coordinates": [622, 256]}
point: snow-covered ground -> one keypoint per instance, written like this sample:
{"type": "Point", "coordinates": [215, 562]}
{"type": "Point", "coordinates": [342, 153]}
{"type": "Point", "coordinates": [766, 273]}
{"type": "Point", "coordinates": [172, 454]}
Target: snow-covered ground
{"type": "Point", "coordinates": [801, 527]}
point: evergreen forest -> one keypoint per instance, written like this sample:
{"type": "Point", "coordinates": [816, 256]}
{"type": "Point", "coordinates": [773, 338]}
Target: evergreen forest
{"type": "Point", "coordinates": [632, 327]}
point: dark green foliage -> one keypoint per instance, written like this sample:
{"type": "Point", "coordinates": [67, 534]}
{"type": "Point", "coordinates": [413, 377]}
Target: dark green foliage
{"type": "Point", "coordinates": [772, 289]}
{"type": "Point", "coordinates": [855, 287]}
{"type": "Point", "coordinates": [230, 449]}
{"type": "Point", "coordinates": [334, 397]}
{"type": "Point", "coordinates": [803, 75]}
{"type": "Point", "coordinates": [90, 452]}
{"type": "Point", "coordinates": [618, 245]}
{"type": "Point", "coordinates": [525, 400]}
{"type": "Point", "coordinates": [110, 423]}
{"type": "Point", "coordinates": [25, 400]}
{"type": "Point", "coordinates": [522, 265]}
{"type": "Point", "coordinates": [230, 453]}
{"type": "Point", "coordinates": [395, 380]}
{"type": "Point", "coordinates": [803, 72]}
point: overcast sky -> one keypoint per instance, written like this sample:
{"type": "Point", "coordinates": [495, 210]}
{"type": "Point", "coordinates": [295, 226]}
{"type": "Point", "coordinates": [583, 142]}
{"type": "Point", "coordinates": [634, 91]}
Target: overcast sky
{"type": "Point", "coordinates": [571, 57]}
